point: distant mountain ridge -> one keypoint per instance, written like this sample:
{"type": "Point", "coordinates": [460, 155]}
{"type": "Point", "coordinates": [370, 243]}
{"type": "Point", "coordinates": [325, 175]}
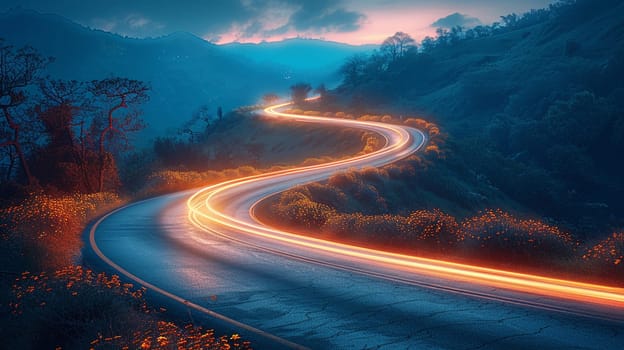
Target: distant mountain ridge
{"type": "Point", "coordinates": [298, 53]}
{"type": "Point", "coordinates": [184, 71]}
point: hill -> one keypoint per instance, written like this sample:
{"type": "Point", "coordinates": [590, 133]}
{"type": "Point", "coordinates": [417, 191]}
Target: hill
{"type": "Point", "coordinates": [533, 108]}
{"type": "Point", "coordinates": [526, 173]}
{"type": "Point", "coordinates": [184, 71]}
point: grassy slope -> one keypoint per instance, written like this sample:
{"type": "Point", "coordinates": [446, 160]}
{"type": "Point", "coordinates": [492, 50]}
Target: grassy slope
{"type": "Point", "coordinates": [285, 142]}
{"type": "Point", "coordinates": [240, 145]}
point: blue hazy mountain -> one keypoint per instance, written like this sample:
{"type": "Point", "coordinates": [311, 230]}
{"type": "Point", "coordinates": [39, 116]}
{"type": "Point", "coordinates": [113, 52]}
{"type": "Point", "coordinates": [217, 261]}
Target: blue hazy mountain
{"type": "Point", "coordinates": [312, 58]}
{"type": "Point", "coordinates": [184, 71]}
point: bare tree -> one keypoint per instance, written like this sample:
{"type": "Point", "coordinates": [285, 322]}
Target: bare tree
{"type": "Point", "coordinates": [66, 110]}
{"type": "Point", "coordinates": [397, 45]}
{"type": "Point", "coordinates": [67, 96]}
{"type": "Point", "coordinates": [117, 93]}
{"type": "Point", "coordinates": [18, 70]}
{"type": "Point", "coordinates": [299, 92]}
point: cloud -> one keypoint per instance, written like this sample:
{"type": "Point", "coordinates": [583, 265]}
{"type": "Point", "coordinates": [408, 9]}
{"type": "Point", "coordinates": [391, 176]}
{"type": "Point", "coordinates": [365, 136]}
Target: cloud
{"type": "Point", "coordinates": [131, 25]}
{"type": "Point", "coordinates": [137, 21]}
{"type": "Point", "coordinates": [456, 19]}
{"type": "Point", "coordinates": [300, 17]}
{"type": "Point", "coordinates": [279, 18]}
{"type": "Point", "coordinates": [323, 16]}
{"type": "Point", "coordinates": [207, 18]}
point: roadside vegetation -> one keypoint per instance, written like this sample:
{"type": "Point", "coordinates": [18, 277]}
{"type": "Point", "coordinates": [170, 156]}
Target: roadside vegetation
{"type": "Point", "coordinates": [48, 301]}
{"type": "Point", "coordinates": [522, 169]}
{"type": "Point", "coordinates": [67, 158]}
{"type": "Point", "coordinates": [74, 308]}
{"type": "Point", "coordinates": [414, 206]}
{"type": "Point", "coordinates": [527, 172]}
{"type": "Point", "coordinates": [529, 103]}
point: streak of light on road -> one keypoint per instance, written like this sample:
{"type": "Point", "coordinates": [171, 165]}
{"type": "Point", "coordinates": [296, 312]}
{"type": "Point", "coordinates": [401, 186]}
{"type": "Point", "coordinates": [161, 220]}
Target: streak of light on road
{"type": "Point", "coordinates": [208, 210]}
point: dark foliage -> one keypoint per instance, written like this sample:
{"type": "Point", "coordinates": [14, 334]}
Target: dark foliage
{"type": "Point", "coordinates": [532, 105]}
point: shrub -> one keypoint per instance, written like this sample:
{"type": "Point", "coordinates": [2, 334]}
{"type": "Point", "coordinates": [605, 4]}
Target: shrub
{"type": "Point", "coordinates": [371, 143]}
{"type": "Point", "coordinates": [167, 181]}
{"type": "Point", "coordinates": [297, 209]}
{"type": "Point", "coordinates": [73, 308]}
{"type": "Point", "coordinates": [344, 180]}
{"type": "Point", "coordinates": [607, 257]}
{"type": "Point", "coordinates": [434, 229]}
{"type": "Point", "coordinates": [47, 228]}
{"type": "Point", "coordinates": [327, 194]}
{"type": "Point", "coordinates": [416, 123]}
{"type": "Point", "coordinates": [387, 119]}
{"type": "Point", "coordinates": [502, 236]}
{"type": "Point", "coordinates": [609, 251]}
{"type": "Point", "coordinates": [69, 307]}
{"type": "Point", "coordinates": [316, 161]}
{"type": "Point", "coordinates": [370, 118]}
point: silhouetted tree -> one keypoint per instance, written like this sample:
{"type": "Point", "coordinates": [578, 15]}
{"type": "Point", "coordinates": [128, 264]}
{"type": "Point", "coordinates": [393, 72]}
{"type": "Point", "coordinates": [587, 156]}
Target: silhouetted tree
{"type": "Point", "coordinates": [427, 43]}
{"type": "Point", "coordinates": [18, 70]}
{"type": "Point", "coordinates": [456, 34]}
{"type": "Point", "coordinates": [470, 34]}
{"type": "Point", "coordinates": [121, 93]}
{"type": "Point", "coordinates": [326, 98]}
{"type": "Point", "coordinates": [495, 27]}
{"type": "Point", "coordinates": [67, 160]}
{"type": "Point", "coordinates": [481, 31]}
{"type": "Point", "coordinates": [443, 36]}
{"type": "Point", "coordinates": [299, 92]}
{"type": "Point", "coordinates": [397, 45]}
{"type": "Point", "coordinates": [353, 69]}
{"type": "Point", "coordinates": [510, 20]}
{"type": "Point", "coordinates": [377, 64]}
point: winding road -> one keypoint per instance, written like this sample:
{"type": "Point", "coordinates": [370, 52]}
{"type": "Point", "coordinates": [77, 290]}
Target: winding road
{"type": "Point", "coordinates": [206, 250]}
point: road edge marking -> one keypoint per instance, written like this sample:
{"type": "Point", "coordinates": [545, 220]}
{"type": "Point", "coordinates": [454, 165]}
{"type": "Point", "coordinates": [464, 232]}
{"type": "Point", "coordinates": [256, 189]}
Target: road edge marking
{"type": "Point", "coordinates": [183, 301]}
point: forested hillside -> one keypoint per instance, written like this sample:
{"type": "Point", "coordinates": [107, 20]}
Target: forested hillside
{"type": "Point", "coordinates": [527, 167]}
{"type": "Point", "coordinates": [534, 105]}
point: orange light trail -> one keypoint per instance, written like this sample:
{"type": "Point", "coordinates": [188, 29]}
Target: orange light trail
{"type": "Point", "coordinates": [230, 206]}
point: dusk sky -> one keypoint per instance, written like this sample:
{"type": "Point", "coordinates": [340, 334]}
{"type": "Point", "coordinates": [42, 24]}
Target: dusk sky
{"type": "Point", "coordinates": [222, 21]}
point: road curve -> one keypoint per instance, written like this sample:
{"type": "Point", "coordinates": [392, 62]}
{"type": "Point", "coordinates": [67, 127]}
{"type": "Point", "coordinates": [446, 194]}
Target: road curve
{"type": "Point", "coordinates": [301, 292]}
